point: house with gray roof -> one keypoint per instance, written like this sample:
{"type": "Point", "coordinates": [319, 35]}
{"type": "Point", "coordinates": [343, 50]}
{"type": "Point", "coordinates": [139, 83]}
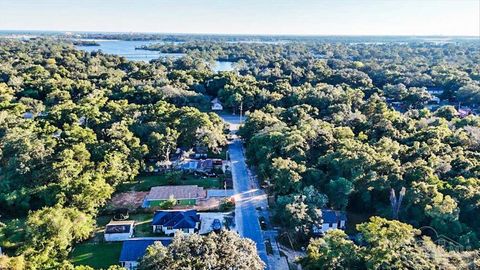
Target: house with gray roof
{"type": "Point", "coordinates": [169, 222]}
{"type": "Point", "coordinates": [331, 219]}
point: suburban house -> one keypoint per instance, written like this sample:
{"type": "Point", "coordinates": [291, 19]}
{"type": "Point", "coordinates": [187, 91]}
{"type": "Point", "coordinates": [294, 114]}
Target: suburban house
{"type": "Point", "coordinates": [435, 100]}
{"type": "Point", "coordinates": [464, 112]}
{"type": "Point", "coordinates": [436, 91]}
{"type": "Point", "coordinates": [331, 219]}
{"type": "Point", "coordinates": [28, 115]}
{"type": "Point", "coordinates": [184, 195]}
{"type": "Point", "coordinates": [216, 105]}
{"type": "Point", "coordinates": [134, 249]}
{"type": "Point", "coordinates": [200, 152]}
{"type": "Point", "coordinates": [119, 230]}
{"type": "Point", "coordinates": [169, 222]}
{"type": "Point", "coordinates": [201, 165]}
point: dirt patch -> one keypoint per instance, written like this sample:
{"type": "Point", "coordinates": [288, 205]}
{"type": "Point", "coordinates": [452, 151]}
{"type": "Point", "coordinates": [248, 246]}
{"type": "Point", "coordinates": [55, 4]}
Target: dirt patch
{"type": "Point", "coordinates": [208, 204]}
{"type": "Point", "coordinates": [130, 200]}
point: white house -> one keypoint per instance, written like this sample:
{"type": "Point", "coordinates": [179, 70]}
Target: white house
{"type": "Point", "coordinates": [119, 230]}
{"type": "Point", "coordinates": [435, 91]}
{"type": "Point", "coordinates": [435, 100]}
{"type": "Point", "coordinates": [216, 105]}
{"type": "Point", "coordinates": [331, 219]}
{"type": "Point", "coordinates": [169, 222]}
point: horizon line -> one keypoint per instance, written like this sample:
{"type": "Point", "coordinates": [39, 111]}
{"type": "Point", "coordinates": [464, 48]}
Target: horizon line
{"type": "Point", "coordinates": [243, 34]}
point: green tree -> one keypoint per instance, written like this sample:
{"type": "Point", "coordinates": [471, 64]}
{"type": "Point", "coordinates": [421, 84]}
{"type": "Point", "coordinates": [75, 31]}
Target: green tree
{"type": "Point", "coordinates": [334, 251]}
{"type": "Point", "coordinates": [225, 250]}
{"type": "Point", "coordinates": [51, 232]}
{"type": "Point", "coordinates": [338, 192]}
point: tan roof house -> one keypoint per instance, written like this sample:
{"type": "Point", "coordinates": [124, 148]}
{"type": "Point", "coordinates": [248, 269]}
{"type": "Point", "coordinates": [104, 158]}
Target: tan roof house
{"type": "Point", "coordinates": [185, 195]}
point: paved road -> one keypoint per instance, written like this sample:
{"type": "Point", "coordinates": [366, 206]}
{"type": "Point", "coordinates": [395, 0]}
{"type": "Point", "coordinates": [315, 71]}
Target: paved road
{"type": "Point", "coordinates": [247, 197]}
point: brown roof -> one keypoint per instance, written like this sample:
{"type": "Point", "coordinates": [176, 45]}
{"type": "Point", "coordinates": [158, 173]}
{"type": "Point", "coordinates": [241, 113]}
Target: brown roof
{"type": "Point", "coordinates": [177, 192]}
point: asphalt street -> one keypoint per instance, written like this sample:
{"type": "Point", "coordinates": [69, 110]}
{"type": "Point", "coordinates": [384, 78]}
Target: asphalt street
{"type": "Point", "coordinates": [247, 196]}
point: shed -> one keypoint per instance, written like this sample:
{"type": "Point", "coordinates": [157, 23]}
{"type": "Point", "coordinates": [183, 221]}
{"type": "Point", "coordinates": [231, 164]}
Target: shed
{"type": "Point", "coordinates": [119, 230]}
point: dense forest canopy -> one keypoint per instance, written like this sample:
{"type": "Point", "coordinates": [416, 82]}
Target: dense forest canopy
{"type": "Point", "coordinates": [322, 131]}
{"type": "Point", "coordinates": [74, 125]}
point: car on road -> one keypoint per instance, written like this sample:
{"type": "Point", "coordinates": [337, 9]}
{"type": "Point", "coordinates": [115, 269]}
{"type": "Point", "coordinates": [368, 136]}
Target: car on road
{"type": "Point", "coordinates": [263, 223]}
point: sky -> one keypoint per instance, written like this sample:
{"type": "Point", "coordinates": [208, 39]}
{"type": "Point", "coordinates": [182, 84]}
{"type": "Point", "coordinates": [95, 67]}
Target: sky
{"type": "Point", "coordinates": [275, 17]}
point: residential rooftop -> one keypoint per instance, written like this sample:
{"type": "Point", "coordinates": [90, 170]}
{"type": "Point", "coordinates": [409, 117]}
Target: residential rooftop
{"type": "Point", "coordinates": [177, 192]}
{"type": "Point", "coordinates": [134, 249]}
{"type": "Point", "coordinates": [177, 219]}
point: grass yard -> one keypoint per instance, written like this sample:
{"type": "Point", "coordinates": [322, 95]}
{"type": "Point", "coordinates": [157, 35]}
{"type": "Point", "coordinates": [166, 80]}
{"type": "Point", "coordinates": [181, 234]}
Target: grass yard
{"type": "Point", "coordinates": [99, 255]}
{"type": "Point", "coordinates": [144, 183]}
{"type": "Point", "coordinates": [143, 227]}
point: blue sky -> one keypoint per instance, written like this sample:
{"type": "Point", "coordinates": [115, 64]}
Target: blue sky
{"type": "Point", "coordinates": [303, 17]}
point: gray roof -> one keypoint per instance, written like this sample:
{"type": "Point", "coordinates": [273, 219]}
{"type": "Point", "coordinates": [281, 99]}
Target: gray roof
{"type": "Point", "coordinates": [177, 192]}
{"type": "Point", "coordinates": [178, 219]}
{"type": "Point", "coordinates": [332, 216]}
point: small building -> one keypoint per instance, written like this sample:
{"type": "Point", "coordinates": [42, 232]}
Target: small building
{"type": "Point", "coordinates": [200, 152]}
{"type": "Point", "coordinates": [119, 230]}
{"type": "Point", "coordinates": [184, 195]}
{"type": "Point", "coordinates": [134, 249]}
{"type": "Point", "coordinates": [464, 112]}
{"type": "Point", "coordinates": [435, 100]}
{"type": "Point", "coordinates": [216, 105]}
{"type": "Point", "coordinates": [435, 91]}
{"type": "Point", "coordinates": [205, 165]}
{"type": "Point", "coordinates": [331, 219]}
{"type": "Point", "coordinates": [169, 222]}
{"type": "Point", "coordinates": [28, 115]}
{"type": "Point", "coordinates": [201, 165]}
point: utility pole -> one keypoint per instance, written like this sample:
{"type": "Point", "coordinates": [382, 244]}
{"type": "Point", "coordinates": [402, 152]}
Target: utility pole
{"type": "Point", "coordinates": [396, 202]}
{"type": "Point", "coordinates": [241, 110]}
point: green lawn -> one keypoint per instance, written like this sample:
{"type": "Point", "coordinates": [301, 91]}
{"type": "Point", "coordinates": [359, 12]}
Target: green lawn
{"type": "Point", "coordinates": [99, 255]}
{"type": "Point", "coordinates": [143, 226]}
{"type": "Point", "coordinates": [144, 183]}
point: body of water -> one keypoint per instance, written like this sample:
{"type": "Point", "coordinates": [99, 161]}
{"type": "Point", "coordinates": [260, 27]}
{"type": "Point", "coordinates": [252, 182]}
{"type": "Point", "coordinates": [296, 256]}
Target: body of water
{"type": "Point", "coordinates": [126, 48]}
{"type": "Point", "coordinates": [223, 66]}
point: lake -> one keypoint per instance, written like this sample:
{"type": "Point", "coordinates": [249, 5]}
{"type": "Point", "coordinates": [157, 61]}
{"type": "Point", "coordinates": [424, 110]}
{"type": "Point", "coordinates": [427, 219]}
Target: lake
{"type": "Point", "coordinates": [223, 66]}
{"type": "Point", "coordinates": [126, 48]}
